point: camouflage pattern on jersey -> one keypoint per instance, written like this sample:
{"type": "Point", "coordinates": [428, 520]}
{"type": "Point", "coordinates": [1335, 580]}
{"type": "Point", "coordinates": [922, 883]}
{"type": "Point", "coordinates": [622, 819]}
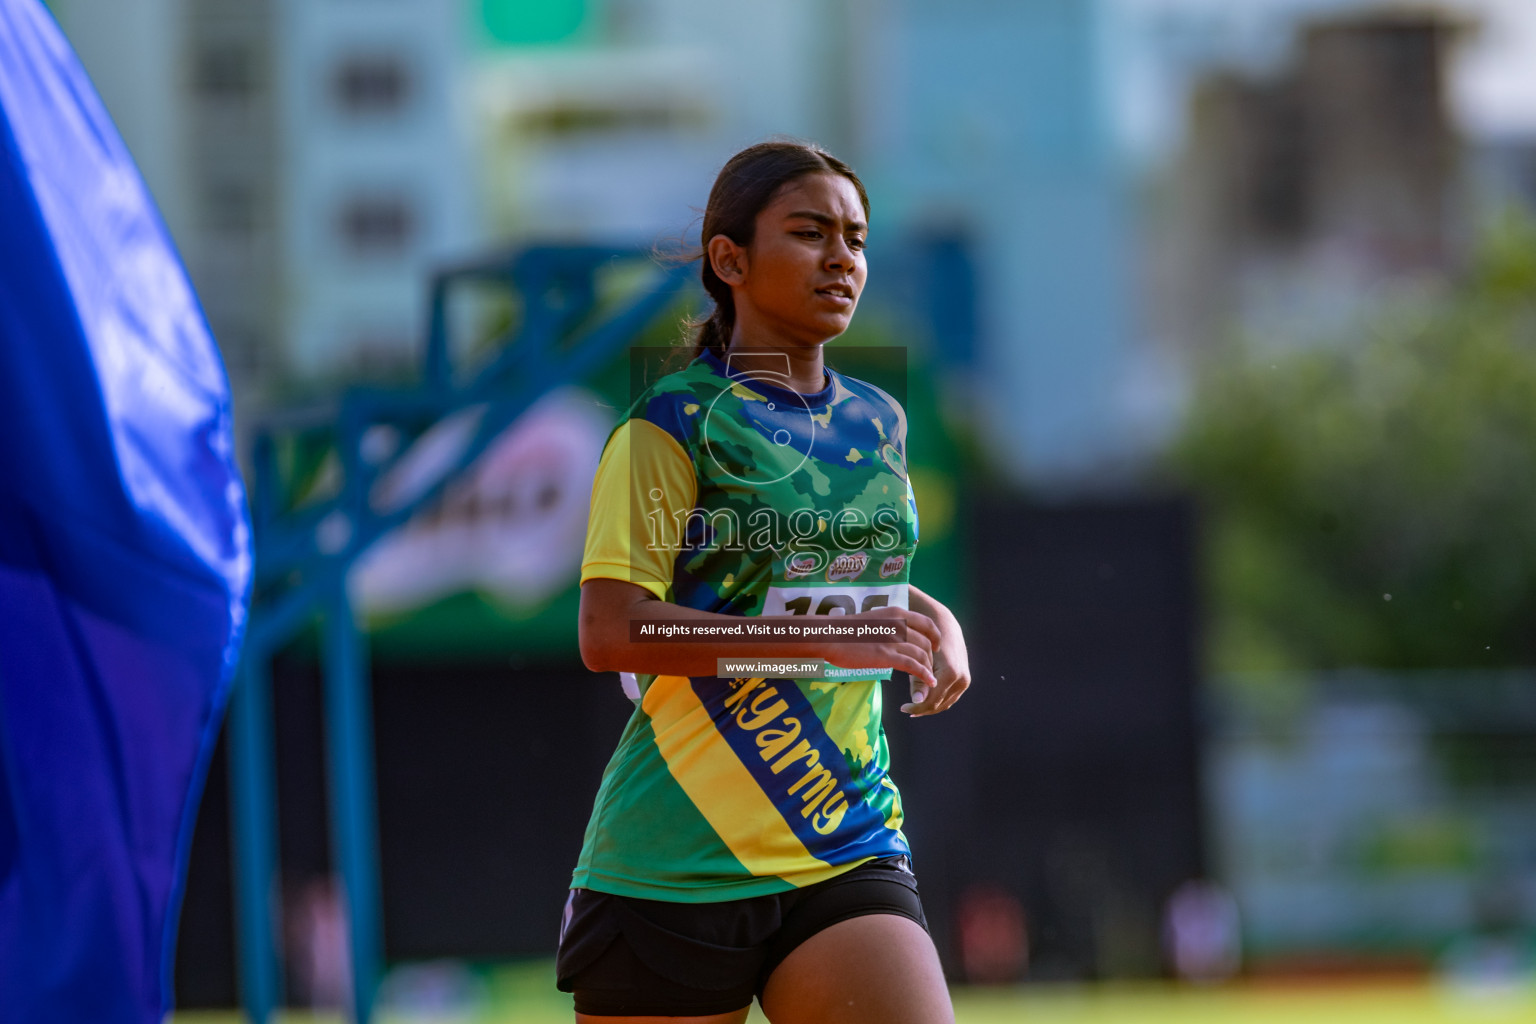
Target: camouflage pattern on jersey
{"type": "Point", "coordinates": [799, 490]}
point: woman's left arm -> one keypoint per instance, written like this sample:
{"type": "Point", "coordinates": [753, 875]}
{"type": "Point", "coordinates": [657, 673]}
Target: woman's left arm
{"type": "Point", "coordinates": [951, 664]}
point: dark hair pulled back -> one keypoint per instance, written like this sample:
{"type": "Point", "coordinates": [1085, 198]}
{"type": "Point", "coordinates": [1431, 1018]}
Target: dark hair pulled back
{"type": "Point", "coordinates": [746, 184]}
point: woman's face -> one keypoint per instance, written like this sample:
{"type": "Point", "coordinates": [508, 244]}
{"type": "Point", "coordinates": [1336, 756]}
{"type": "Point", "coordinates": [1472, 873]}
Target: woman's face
{"type": "Point", "coordinates": [803, 273]}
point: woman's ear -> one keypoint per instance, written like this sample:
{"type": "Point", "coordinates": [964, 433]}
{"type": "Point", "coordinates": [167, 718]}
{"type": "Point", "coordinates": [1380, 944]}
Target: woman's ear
{"type": "Point", "coordinates": [728, 259]}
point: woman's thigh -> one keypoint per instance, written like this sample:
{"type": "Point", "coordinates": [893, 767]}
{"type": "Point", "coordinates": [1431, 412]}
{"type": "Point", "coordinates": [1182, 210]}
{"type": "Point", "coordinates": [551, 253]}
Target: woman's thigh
{"type": "Point", "coordinates": [735, 1017]}
{"type": "Point", "coordinates": [875, 969]}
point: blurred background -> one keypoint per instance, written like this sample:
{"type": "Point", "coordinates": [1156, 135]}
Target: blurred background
{"type": "Point", "coordinates": [1219, 324]}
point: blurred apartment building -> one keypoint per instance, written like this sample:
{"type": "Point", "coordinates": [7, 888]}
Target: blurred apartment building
{"type": "Point", "coordinates": [1302, 195]}
{"type": "Point", "coordinates": [308, 159]}
{"type": "Point", "coordinates": [375, 164]}
{"type": "Point", "coordinates": [978, 127]}
{"type": "Point", "coordinates": [228, 153]}
{"type": "Point", "coordinates": [608, 120]}
{"type": "Point", "coordinates": [315, 159]}
{"type": "Point", "coordinates": [1350, 161]}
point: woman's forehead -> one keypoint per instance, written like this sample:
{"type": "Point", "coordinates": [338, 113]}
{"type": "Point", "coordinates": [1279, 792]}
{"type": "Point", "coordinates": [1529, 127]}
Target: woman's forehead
{"type": "Point", "coordinates": [825, 193]}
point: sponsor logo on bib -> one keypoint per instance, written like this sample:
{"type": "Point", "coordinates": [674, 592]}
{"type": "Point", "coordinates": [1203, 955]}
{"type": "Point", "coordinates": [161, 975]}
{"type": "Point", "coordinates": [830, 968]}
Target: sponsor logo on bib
{"type": "Point", "coordinates": [847, 567]}
{"type": "Point", "coordinates": [891, 566]}
{"type": "Point", "coordinates": [797, 566]}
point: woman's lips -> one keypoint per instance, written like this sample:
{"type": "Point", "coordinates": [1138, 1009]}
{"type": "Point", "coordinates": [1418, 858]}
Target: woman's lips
{"type": "Point", "coordinates": [835, 296]}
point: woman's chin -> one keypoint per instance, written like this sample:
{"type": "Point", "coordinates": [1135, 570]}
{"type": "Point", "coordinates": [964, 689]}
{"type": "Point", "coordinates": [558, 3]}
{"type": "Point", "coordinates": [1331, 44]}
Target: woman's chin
{"type": "Point", "coordinates": [830, 325]}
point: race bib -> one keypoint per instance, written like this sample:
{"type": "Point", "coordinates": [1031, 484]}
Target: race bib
{"type": "Point", "coordinates": [832, 599]}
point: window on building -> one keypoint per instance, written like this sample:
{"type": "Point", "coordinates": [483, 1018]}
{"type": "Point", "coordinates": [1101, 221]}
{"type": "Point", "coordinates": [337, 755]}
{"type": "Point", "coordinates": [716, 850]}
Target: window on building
{"type": "Point", "coordinates": [369, 84]}
{"type": "Point", "coordinates": [230, 208]}
{"type": "Point", "coordinates": [225, 70]}
{"type": "Point", "coordinates": [377, 225]}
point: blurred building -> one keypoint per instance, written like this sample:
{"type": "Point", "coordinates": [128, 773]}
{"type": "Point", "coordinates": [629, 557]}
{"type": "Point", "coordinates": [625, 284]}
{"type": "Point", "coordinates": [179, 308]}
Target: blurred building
{"type": "Point", "coordinates": [990, 120]}
{"type": "Point", "coordinates": [228, 148]}
{"type": "Point", "coordinates": [376, 176]}
{"type": "Point", "coordinates": [1301, 160]}
{"type": "Point", "coordinates": [1301, 194]}
{"type": "Point", "coordinates": [315, 160]}
{"type": "Point", "coordinates": [609, 120]}
{"type": "Point", "coordinates": [332, 153]}
{"type": "Point", "coordinates": [309, 160]}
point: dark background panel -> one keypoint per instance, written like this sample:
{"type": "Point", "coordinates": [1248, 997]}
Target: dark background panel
{"type": "Point", "coordinates": [1069, 775]}
{"type": "Point", "coordinates": [486, 779]}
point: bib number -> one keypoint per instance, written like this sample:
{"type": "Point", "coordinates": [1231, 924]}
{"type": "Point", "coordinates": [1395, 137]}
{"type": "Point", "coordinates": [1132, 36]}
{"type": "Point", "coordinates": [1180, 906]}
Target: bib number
{"type": "Point", "coordinates": [833, 600]}
{"type": "Point", "coordinates": [824, 599]}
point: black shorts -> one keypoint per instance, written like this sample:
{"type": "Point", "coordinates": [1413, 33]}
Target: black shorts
{"type": "Point", "coordinates": [623, 956]}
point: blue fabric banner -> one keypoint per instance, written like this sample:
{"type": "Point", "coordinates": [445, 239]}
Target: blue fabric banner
{"type": "Point", "coordinates": [124, 553]}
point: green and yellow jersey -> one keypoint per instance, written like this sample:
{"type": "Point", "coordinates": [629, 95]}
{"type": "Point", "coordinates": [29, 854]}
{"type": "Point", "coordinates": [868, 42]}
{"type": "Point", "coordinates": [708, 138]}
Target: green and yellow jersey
{"type": "Point", "coordinates": [726, 493]}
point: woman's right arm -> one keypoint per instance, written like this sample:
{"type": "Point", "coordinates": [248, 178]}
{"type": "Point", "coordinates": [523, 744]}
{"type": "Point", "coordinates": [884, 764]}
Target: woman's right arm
{"type": "Point", "coordinates": [608, 605]}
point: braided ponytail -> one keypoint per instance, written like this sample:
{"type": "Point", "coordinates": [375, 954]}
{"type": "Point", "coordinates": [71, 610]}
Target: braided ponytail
{"type": "Point", "coordinates": [713, 332]}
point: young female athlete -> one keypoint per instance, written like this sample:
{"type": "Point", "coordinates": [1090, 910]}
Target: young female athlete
{"type": "Point", "coordinates": [746, 839]}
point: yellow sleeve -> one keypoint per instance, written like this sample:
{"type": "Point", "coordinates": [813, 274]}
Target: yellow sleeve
{"type": "Point", "coordinates": [644, 480]}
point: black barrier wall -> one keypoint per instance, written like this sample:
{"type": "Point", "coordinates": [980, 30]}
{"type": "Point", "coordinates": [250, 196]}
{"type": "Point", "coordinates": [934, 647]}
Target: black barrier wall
{"type": "Point", "coordinates": [486, 776]}
{"type": "Point", "coordinates": [1059, 804]}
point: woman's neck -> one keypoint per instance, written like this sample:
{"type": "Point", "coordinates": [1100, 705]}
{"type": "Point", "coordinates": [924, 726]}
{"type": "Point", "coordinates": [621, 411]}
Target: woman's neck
{"type": "Point", "coordinates": [796, 367]}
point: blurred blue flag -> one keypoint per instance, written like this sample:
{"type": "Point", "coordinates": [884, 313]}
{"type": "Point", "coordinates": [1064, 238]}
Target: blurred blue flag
{"type": "Point", "coordinates": [124, 553]}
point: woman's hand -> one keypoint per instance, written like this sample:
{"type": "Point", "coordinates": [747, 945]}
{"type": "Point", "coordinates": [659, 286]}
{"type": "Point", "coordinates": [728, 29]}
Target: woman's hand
{"type": "Point", "coordinates": [914, 655]}
{"type": "Point", "coordinates": [951, 662]}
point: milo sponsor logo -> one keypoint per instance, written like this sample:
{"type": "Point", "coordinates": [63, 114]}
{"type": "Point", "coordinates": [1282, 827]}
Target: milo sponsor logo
{"type": "Point", "coordinates": [847, 567]}
{"type": "Point", "coordinates": [796, 566]}
{"type": "Point", "coordinates": [893, 565]}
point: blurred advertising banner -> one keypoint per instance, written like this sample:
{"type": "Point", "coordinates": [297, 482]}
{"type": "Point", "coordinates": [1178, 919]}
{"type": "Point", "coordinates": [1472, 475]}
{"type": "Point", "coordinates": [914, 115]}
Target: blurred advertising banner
{"type": "Point", "coordinates": [504, 543]}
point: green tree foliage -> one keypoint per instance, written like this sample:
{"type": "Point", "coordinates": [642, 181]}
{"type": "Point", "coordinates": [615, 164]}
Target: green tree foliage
{"type": "Point", "coordinates": [1373, 502]}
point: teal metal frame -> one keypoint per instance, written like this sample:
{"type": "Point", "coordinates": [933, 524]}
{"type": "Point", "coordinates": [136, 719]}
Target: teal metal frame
{"type": "Point", "coordinates": [303, 556]}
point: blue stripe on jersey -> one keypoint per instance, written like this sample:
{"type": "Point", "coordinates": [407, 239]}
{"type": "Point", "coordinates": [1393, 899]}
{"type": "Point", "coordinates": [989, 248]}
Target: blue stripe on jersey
{"type": "Point", "coordinates": [780, 739]}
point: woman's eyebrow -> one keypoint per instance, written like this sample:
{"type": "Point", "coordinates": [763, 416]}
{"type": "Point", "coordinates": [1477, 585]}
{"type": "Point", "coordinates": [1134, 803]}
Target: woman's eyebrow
{"type": "Point", "coordinates": [824, 219]}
